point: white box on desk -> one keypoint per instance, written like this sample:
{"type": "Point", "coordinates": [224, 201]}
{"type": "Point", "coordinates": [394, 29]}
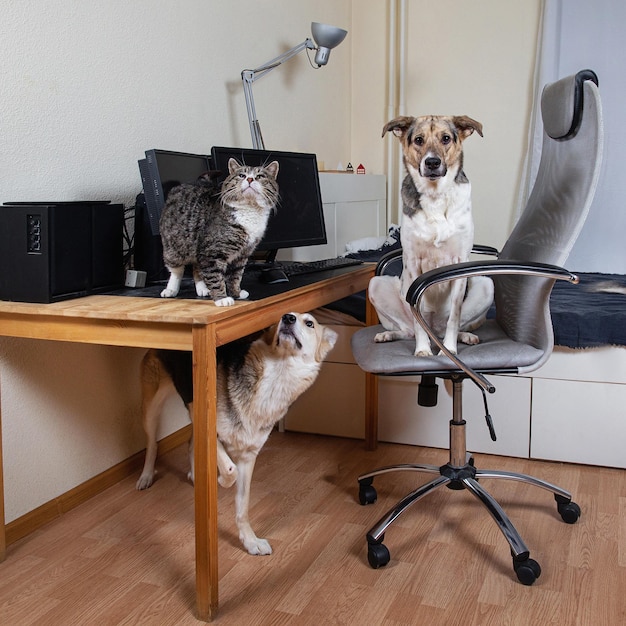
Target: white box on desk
{"type": "Point", "coordinates": [355, 206]}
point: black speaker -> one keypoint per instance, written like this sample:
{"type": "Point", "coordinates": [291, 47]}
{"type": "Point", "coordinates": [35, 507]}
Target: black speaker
{"type": "Point", "coordinates": [52, 251]}
{"type": "Point", "coordinates": [148, 247]}
{"type": "Point", "coordinates": [107, 254]}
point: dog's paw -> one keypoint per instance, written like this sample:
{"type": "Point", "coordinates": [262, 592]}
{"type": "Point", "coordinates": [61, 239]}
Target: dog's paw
{"type": "Point", "coordinates": [145, 481]}
{"type": "Point", "coordinates": [424, 352]}
{"type": "Point", "coordinates": [169, 293]}
{"type": "Point", "coordinates": [229, 477]}
{"type": "Point", "coordinates": [190, 476]}
{"type": "Point", "coordinates": [385, 336]}
{"type": "Point", "coordinates": [227, 301]}
{"type": "Point", "coordinates": [243, 295]}
{"type": "Point", "coordinates": [257, 547]}
{"type": "Point", "coordinates": [450, 345]}
{"type": "Point", "coordinates": [469, 338]}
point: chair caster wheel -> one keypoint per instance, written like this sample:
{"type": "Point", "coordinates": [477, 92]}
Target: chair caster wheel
{"type": "Point", "coordinates": [527, 571]}
{"type": "Point", "coordinates": [367, 493]}
{"type": "Point", "coordinates": [570, 512]}
{"type": "Point", "coordinates": [377, 555]}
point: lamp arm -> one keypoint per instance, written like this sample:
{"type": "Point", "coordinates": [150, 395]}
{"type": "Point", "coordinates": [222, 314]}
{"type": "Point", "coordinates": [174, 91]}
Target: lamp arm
{"type": "Point", "coordinates": [249, 76]}
{"type": "Point", "coordinates": [267, 67]}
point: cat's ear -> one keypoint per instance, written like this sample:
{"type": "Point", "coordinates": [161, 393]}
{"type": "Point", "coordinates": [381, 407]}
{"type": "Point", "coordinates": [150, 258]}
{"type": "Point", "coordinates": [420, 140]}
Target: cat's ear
{"type": "Point", "coordinates": [233, 165]}
{"type": "Point", "coordinates": [272, 168]}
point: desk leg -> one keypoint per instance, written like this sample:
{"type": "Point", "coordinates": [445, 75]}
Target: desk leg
{"type": "Point", "coordinates": [371, 411]}
{"type": "Point", "coordinates": [371, 390]}
{"type": "Point", "coordinates": [3, 536]}
{"type": "Point", "coordinates": [205, 467]}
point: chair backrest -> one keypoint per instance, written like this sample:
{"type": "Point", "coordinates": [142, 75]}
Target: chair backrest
{"type": "Point", "coordinates": [557, 206]}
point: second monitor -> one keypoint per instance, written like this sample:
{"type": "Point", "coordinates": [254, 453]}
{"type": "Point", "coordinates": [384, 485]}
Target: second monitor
{"type": "Point", "coordinates": [299, 218]}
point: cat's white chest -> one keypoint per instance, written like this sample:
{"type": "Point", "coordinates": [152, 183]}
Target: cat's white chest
{"type": "Point", "coordinates": [254, 221]}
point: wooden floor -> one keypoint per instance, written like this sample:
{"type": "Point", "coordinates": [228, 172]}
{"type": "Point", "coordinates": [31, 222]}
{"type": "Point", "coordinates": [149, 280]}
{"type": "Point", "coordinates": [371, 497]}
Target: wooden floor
{"type": "Point", "coordinates": [127, 557]}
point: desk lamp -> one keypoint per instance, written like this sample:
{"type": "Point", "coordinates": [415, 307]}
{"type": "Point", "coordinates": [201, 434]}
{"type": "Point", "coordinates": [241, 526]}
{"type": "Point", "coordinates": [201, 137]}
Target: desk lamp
{"type": "Point", "coordinates": [325, 38]}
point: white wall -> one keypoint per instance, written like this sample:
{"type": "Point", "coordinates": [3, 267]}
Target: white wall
{"type": "Point", "coordinates": [87, 87]}
{"type": "Point", "coordinates": [462, 58]}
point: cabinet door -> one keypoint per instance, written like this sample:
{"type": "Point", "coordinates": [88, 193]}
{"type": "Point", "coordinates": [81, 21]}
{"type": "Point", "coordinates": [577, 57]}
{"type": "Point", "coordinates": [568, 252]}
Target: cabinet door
{"type": "Point", "coordinates": [402, 420]}
{"type": "Point", "coordinates": [579, 422]}
{"type": "Point", "coordinates": [334, 405]}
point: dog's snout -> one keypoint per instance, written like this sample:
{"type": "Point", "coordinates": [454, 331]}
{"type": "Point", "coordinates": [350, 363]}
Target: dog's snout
{"type": "Point", "coordinates": [432, 163]}
{"type": "Point", "coordinates": [289, 318]}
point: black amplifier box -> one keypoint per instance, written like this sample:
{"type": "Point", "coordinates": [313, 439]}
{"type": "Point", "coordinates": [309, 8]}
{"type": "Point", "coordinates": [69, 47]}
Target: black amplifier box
{"type": "Point", "coordinates": [52, 251]}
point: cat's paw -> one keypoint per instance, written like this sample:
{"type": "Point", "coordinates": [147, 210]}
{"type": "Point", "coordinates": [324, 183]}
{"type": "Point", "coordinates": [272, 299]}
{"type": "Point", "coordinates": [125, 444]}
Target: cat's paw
{"type": "Point", "coordinates": [169, 293]}
{"type": "Point", "coordinates": [202, 290]}
{"type": "Point", "coordinates": [243, 295]}
{"type": "Point", "coordinates": [227, 301]}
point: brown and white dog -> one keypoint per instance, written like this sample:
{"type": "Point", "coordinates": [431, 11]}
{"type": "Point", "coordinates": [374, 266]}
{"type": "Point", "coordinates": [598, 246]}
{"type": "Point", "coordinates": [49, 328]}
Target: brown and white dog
{"type": "Point", "coordinates": [257, 381]}
{"type": "Point", "coordinates": [436, 229]}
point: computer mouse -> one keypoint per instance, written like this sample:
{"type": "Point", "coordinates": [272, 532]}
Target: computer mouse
{"type": "Point", "coordinates": [273, 275]}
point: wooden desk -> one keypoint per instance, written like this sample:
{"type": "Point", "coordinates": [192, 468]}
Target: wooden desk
{"type": "Point", "coordinates": [176, 324]}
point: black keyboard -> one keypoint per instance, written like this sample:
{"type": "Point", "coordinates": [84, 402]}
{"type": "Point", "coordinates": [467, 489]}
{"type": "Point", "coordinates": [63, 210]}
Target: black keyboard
{"type": "Point", "coordinates": [295, 268]}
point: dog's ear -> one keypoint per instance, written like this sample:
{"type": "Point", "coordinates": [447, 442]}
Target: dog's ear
{"type": "Point", "coordinates": [398, 126]}
{"type": "Point", "coordinates": [466, 126]}
{"type": "Point", "coordinates": [268, 334]}
{"type": "Point", "coordinates": [329, 338]}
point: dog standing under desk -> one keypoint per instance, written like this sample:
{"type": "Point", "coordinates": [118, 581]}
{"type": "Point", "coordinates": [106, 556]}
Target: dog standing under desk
{"type": "Point", "coordinates": [436, 229]}
{"type": "Point", "coordinates": [257, 381]}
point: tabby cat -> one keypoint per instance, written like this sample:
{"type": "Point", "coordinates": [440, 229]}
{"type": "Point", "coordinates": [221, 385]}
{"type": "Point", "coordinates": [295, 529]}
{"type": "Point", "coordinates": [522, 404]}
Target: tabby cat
{"type": "Point", "coordinates": [216, 230]}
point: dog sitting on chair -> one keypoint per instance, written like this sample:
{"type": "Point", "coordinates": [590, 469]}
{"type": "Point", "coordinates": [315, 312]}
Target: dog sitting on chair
{"type": "Point", "coordinates": [436, 229]}
{"type": "Point", "coordinates": [257, 381]}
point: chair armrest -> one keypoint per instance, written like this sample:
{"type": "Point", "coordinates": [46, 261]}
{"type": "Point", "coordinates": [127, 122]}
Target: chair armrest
{"type": "Point", "coordinates": [468, 270]}
{"type": "Point", "coordinates": [391, 263]}
{"type": "Point", "coordinates": [488, 250]}
{"type": "Point", "coordinates": [386, 262]}
{"type": "Point", "coordinates": [484, 268]}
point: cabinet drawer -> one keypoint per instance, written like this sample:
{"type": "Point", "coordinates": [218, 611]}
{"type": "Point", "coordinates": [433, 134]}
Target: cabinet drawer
{"type": "Point", "coordinates": [579, 422]}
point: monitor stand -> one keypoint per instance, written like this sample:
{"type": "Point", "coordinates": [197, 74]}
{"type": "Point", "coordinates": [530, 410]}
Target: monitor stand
{"type": "Point", "coordinates": [262, 260]}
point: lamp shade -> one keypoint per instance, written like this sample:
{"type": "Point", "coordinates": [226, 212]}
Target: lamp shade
{"type": "Point", "coordinates": [326, 37]}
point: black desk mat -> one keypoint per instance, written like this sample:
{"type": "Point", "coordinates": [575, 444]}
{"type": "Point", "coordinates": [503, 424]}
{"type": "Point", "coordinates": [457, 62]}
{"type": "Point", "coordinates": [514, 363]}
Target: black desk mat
{"type": "Point", "coordinates": [352, 305]}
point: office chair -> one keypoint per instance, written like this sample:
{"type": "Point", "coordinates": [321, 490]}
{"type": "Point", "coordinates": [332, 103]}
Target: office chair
{"type": "Point", "coordinates": [520, 338]}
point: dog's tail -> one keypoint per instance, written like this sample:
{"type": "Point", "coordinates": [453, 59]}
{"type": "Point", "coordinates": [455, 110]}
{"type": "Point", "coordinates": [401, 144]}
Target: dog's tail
{"type": "Point", "coordinates": [607, 286]}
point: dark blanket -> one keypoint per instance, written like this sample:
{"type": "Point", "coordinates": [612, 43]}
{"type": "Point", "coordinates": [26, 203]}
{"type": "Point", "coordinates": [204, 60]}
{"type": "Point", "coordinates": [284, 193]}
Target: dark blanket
{"type": "Point", "coordinates": [584, 318]}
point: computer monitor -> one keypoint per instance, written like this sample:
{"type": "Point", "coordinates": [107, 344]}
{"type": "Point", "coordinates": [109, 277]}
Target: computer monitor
{"type": "Point", "coordinates": [299, 218]}
{"type": "Point", "coordinates": [162, 170]}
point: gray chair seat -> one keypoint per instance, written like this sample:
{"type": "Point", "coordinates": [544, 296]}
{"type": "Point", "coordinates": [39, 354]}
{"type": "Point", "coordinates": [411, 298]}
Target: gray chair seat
{"type": "Point", "coordinates": [496, 353]}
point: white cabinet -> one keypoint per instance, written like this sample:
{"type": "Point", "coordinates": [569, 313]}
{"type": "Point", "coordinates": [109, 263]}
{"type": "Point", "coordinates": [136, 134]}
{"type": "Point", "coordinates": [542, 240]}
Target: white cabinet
{"type": "Point", "coordinates": [335, 405]}
{"type": "Point", "coordinates": [354, 208]}
{"type": "Point", "coordinates": [572, 409]}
